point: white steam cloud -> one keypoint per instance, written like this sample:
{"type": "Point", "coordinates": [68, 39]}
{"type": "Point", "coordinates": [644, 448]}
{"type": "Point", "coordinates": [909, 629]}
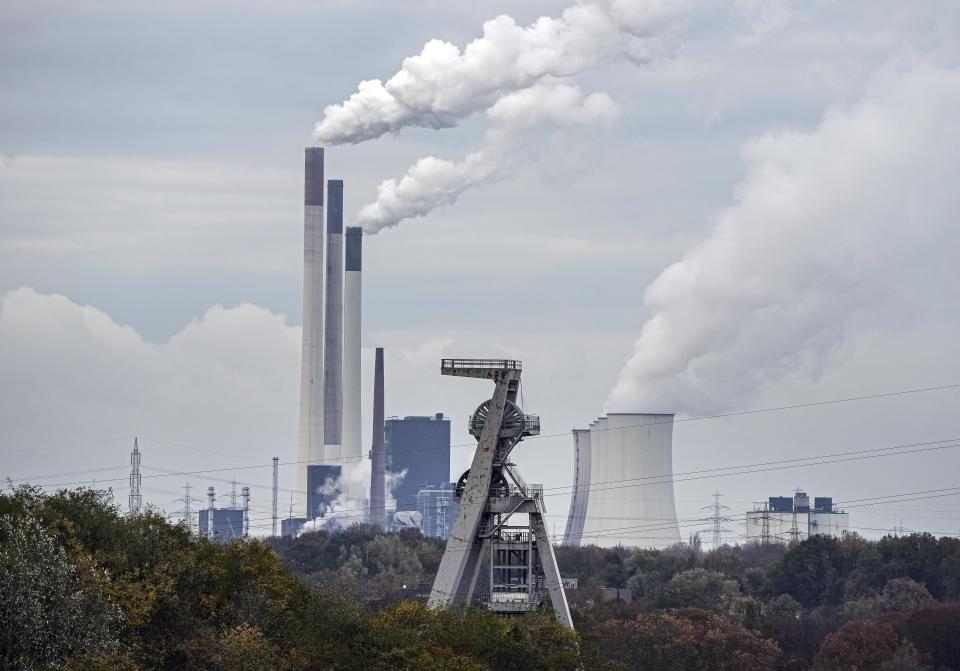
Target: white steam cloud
{"type": "Point", "coordinates": [511, 72]}
{"type": "Point", "coordinates": [352, 491]}
{"type": "Point", "coordinates": [820, 221]}
{"type": "Point", "coordinates": [433, 181]}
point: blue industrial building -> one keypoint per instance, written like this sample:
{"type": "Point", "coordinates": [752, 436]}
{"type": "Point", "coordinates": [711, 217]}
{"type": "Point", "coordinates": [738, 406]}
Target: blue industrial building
{"type": "Point", "coordinates": [227, 524]}
{"type": "Point", "coordinates": [323, 488]}
{"type": "Point", "coordinates": [421, 447]}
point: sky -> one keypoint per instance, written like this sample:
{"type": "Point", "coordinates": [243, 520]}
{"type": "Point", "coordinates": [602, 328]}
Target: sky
{"type": "Point", "coordinates": [692, 206]}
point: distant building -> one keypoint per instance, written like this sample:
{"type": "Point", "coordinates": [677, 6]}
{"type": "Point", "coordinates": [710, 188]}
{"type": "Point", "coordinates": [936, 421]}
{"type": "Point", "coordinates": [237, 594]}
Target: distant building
{"type": "Point", "coordinates": [437, 507]}
{"type": "Point", "coordinates": [323, 488]}
{"type": "Point", "coordinates": [421, 447]}
{"type": "Point", "coordinates": [783, 519]}
{"type": "Point", "coordinates": [227, 524]}
{"type": "Point", "coordinates": [291, 526]}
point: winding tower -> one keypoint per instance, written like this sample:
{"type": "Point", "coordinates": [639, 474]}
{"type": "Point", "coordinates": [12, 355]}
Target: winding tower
{"type": "Point", "coordinates": [523, 567]}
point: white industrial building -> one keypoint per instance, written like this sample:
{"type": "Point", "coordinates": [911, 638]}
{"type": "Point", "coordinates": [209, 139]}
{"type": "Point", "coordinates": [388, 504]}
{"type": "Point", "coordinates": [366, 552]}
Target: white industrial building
{"type": "Point", "coordinates": [623, 483]}
{"type": "Point", "coordinates": [783, 519]}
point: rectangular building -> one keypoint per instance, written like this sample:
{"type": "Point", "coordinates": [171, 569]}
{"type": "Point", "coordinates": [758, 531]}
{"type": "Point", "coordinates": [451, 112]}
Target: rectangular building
{"type": "Point", "coordinates": [418, 448]}
{"type": "Point", "coordinates": [323, 488]}
{"type": "Point", "coordinates": [792, 518]}
{"type": "Point", "coordinates": [437, 507]}
{"type": "Point", "coordinates": [227, 524]}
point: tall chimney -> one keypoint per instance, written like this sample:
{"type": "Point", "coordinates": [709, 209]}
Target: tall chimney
{"type": "Point", "coordinates": [333, 341]}
{"type": "Point", "coordinates": [352, 446]}
{"type": "Point", "coordinates": [211, 502]}
{"type": "Point", "coordinates": [310, 441]}
{"type": "Point", "coordinates": [378, 494]}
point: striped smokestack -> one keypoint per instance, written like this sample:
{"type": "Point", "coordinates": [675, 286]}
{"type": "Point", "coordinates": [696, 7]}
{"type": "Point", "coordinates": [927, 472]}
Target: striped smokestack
{"type": "Point", "coordinates": [378, 494]}
{"type": "Point", "coordinates": [310, 438]}
{"type": "Point", "coordinates": [352, 446]}
{"type": "Point", "coordinates": [333, 342]}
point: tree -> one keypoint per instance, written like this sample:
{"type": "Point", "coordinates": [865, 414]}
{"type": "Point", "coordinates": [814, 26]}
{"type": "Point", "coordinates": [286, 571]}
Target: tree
{"type": "Point", "coordinates": [689, 640]}
{"type": "Point", "coordinates": [698, 588]}
{"type": "Point", "coordinates": [49, 611]}
{"type": "Point", "coordinates": [935, 631]}
{"type": "Point", "coordinates": [861, 645]}
{"type": "Point", "coordinates": [812, 572]}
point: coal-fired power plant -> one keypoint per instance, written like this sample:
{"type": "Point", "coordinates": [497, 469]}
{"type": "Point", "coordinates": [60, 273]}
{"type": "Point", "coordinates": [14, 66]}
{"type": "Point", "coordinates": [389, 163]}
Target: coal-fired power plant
{"type": "Point", "coordinates": [623, 483]}
{"type": "Point", "coordinates": [331, 328]}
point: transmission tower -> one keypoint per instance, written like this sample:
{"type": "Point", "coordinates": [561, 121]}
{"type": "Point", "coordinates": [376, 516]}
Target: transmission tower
{"type": "Point", "coordinates": [187, 512]}
{"type": "Point", "coordinates": [718, 520]}
{"type": "Point", "coordinates": [233, 493]}
{"type": "Point", "coordinates": [522, 562]}
{"type": "Point", "coordinates": [763, 511]}
{"type": "Point", "coordinates": [135, 500]}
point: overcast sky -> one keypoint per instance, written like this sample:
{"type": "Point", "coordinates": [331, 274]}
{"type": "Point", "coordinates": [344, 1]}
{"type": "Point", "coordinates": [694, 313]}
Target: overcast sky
{"type": "Point", "coordinates": [757, 208]}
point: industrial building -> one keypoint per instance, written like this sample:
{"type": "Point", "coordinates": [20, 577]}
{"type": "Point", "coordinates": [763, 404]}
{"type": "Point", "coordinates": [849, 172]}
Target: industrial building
{"type": "Point", "coordinates": [323, 488]}
{"type": "Point", "coordinates": [623, 487]}
{"type": "Point", "coordinates": [225, 524]}
{"type": "Point", "coordinates": [292, 526]}
{"type": "Point", "coordinates": [784, 519]}
{"type": "Point", "coordinates": [437, 507]}
{"type": "Point", "coordinates": [329, 425]}
{"type": "Point", "coordinates": [418, 448]}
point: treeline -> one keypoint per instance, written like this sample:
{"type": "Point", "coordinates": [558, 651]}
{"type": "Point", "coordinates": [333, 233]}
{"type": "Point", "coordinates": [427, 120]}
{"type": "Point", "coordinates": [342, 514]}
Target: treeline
{"type": "Point", "coordinates": [84, 587]}
{"type": "Point", "coordinates": [826, 604]}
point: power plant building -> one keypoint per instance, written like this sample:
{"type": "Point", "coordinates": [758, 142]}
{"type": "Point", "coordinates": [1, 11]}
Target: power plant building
{"type": "Point", "coordinates": [417, 455]}
{"type": "Point", "coordinates": [623, 487]}
{"type": "Point", "coordinates": [323, 488]}
{"type": "Point", "coordinates": [783, 519]}
{"type": "Point", "coordinates": [228, 524]}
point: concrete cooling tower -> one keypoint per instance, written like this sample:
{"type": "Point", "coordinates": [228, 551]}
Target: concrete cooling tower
{"type": "Point", "coordinates": [623, 493]}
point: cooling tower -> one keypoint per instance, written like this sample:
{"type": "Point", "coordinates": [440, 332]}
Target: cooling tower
{"type": "Point", "coordinates": [624, 492]}
{"type": "Point", "coordinates": [352, 447]}
{"type": "Point", "coordinates": [581, 487]}
{"type": "Point", "coordinates": [333, 332]}
{"type": "Point", "coordinates": [378, 466]}
{"type": "Point", "coordinates": [310, 439]}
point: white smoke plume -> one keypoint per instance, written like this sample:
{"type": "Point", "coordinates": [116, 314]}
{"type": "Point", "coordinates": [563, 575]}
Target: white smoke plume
{"type": "Point", "coordinates": [512, 73]}
{"type": "Point", "coordinates": [433, 181]}
{"type": "Point", "coordinates": [442, 84]}
{"type": "Point", "coordinates": [820, 221]}
{"type": "Point", "coordinates": [353, 493]}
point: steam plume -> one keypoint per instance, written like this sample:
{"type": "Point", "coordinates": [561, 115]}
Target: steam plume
{"type": "Point", "coordinates": [433, 181]}
{"type": "Point", "coordinates": [819, 221]}
{"type": "Point", "coordinates": [512, 73]}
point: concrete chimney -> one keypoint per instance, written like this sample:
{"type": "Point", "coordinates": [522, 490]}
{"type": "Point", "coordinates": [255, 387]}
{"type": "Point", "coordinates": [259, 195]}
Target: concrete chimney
{"type": "Point", "coordinates": [352, 445]}
{"type": "Point", "coordinates": [310, 440]}
{"type": "Point", "coordinates": [333, 340]}
{"type": "Point", "coordinates": [378, 494]}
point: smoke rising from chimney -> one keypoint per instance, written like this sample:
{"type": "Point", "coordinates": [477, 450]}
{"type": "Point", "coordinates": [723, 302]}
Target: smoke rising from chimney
{"type": "Point", "coordinates": [807, 249]}
{"type": "Point", "coordinates": [509, 67]}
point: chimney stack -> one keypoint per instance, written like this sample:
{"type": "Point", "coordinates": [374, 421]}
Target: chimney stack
{"type": "Point", "coordinates": [352, 285]}
{"type": "Point", "coordinates": [333, 339]}
{"type": "Point", "coordinates": [378, 495]}
{"type": "Point", "coordinates": [310, 440]}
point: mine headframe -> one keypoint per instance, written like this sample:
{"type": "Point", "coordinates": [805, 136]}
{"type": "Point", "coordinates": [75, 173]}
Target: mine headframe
{"type": "Point", "coordinates": [522, 564]}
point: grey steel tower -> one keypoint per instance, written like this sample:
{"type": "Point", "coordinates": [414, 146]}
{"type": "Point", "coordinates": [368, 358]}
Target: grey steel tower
{"type": "Point", "coordinates": [333, 328]}
{"type": "Point", "coordinates": [352, 446]}
{"type": "Point", "coordinates": [378, 493]}
{"type": "Point", "coordinates": [522, 562]}
{"type": "Point", "coordinates": [310, 441]}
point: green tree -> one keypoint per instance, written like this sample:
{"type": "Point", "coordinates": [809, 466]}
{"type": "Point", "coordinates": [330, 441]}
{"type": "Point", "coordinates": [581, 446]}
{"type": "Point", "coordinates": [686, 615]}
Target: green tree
{"type": "Point", "coordinates": [698, 588]}
{"type": "Point", "coordinates": [49, 610]}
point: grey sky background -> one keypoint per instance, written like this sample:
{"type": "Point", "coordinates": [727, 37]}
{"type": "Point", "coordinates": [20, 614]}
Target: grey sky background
{"type": "Point", "coordinates": [151, 232]}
